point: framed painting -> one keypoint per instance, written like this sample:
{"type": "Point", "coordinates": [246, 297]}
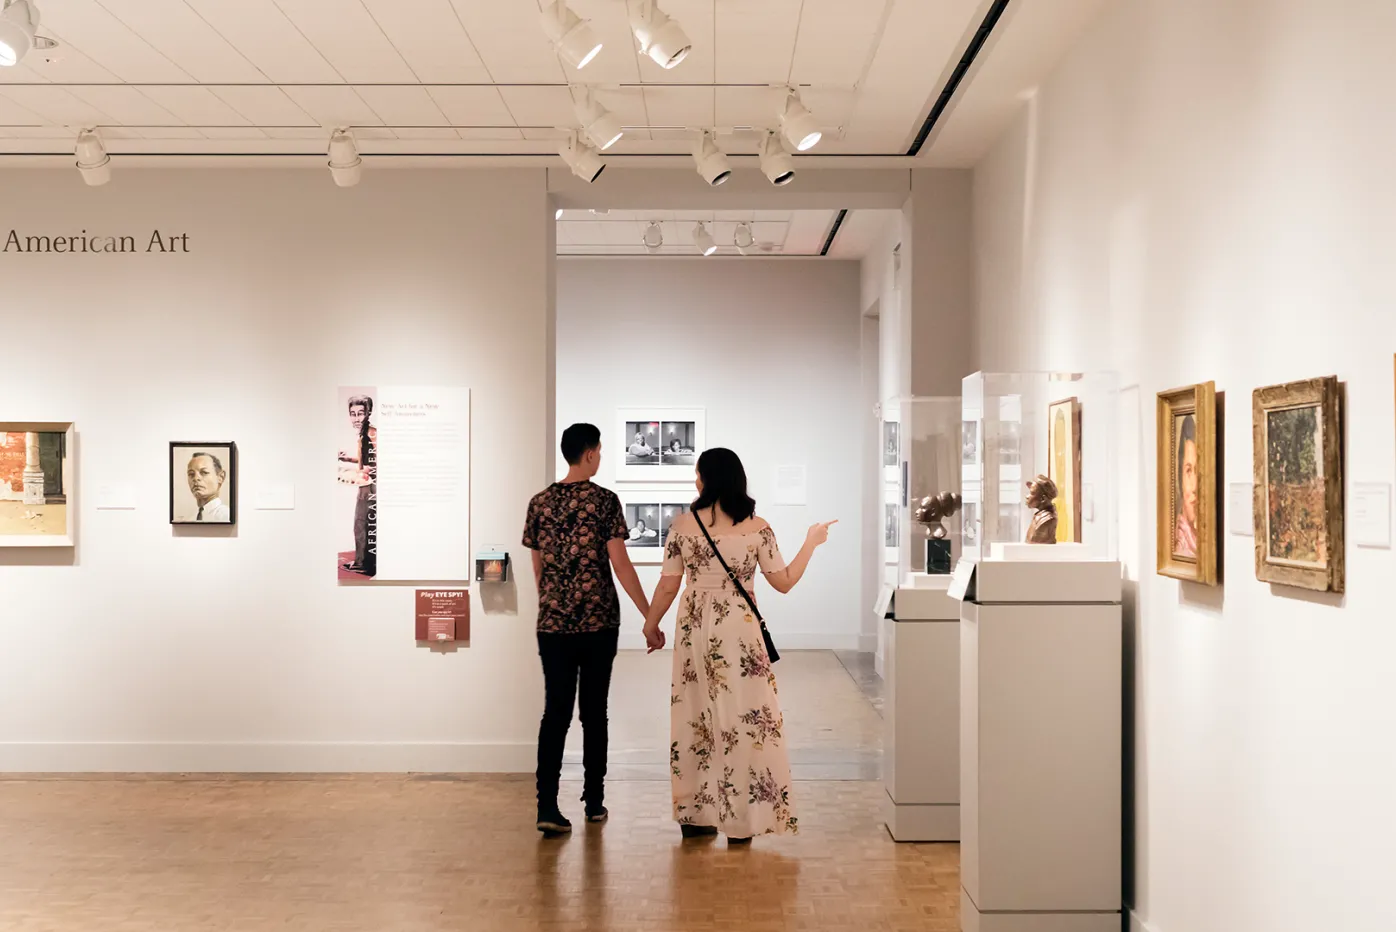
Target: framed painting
{"type": "Point", "coordinates": [38, 488]}
{"type": "Point", "coordinates": [1297, 430]}
{"type": "Point", "coordinates": [658, 444]}
{"type": "Point", "coordinates": [649, 516]}
{"type": "Point", "coordinates": [1064, 466]}
{"type": "Point", "coordinates": [1187, 483]}
{"type": "Point", "coordinates": [203, 482]}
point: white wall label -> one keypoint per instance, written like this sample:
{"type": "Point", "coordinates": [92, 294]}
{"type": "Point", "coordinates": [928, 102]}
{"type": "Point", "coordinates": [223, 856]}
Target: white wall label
{"type": "Point", "coordinates": [1370, 514]}
{"type": "Point", "coordinates": [791, 486]}
{"type": "Point", "coordinates": [960, 580]}
{"type": "Point", "coordinates": [276, 496]}
{"type": "Point", "coordinates": [1241, 520]}
{"type": "Point", "coordinates": [116, 497]}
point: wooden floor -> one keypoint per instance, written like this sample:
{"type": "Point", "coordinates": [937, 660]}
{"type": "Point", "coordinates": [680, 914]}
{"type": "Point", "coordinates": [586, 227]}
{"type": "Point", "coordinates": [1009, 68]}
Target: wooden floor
{"type": "Point", "coordinates": [403, 854]}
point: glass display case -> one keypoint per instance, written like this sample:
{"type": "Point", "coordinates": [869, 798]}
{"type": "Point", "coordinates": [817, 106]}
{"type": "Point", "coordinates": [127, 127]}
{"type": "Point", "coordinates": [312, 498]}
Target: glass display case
{"type": "Point", "coordinates": [1024, 425]}
{"type": "Point", "coordinates": [921, 482]}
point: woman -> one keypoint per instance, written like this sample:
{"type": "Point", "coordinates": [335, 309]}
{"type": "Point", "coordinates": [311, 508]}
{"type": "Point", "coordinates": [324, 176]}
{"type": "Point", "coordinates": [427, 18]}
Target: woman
{"type": "Point", "coordinates": [730, 769]}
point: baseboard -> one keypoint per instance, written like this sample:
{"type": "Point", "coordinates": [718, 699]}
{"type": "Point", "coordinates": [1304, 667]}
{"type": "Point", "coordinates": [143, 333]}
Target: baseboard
{"type": "Point", "coordinates": [635, 640]}
{"type": "Point", "coordinates": [289, 757]}
{"type": "Point", "coordinates": [1138, 925]}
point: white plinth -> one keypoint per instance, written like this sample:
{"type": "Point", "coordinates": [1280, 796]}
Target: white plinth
{"type": "Point", "coordinates": [1040, 752]}
{"type": "Point", "coordinates": [921, 748]}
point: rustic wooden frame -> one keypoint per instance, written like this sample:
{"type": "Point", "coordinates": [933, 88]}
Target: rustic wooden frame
{"type": "Point", "coordinates": [70, 486]}
{"type": "Point", "coordinates": [1073, 407]}
{"type": "Point", "coordinates": [1200, 401]}
{"type": "Point", "coordinates": [1325, 394]}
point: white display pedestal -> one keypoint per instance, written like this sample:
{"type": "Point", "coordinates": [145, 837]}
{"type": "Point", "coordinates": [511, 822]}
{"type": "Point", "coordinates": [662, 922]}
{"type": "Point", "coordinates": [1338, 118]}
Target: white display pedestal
{"type": "Point", "coordinates": [1040, 747]}
{"type": "Point", "coordinates": [921, 750]}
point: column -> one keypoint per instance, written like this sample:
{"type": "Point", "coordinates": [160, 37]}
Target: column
{"type": "Point", "coordinates": [33, 470]}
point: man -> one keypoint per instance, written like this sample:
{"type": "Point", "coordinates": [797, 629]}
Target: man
{"type": "Point", "coordinates": [206, 477]}
{"type": "Point", "coordinates": [359, 467]}
{"type": "Point", "coordinates": [577, 533]}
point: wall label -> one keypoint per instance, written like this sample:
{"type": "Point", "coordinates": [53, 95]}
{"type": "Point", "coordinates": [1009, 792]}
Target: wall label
{"type": "Point", "coordinates": [84, 242]}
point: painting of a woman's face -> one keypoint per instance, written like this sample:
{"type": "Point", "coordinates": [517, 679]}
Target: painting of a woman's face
{"type": "Point", "coordinates": [1187, 469]}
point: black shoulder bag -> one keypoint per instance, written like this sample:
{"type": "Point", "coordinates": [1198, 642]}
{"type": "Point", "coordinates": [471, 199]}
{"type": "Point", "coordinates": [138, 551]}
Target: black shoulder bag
{"type": "Point", "coordinates": [765, 634]}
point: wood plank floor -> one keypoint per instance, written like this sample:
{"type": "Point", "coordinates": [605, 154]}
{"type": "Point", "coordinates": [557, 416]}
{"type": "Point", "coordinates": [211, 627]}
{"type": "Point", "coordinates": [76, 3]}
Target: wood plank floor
{"type": "Point", "coordinates": [420, 854]}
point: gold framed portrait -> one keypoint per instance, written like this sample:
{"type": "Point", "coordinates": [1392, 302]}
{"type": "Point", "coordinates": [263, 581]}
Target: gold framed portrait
{"type": "Point", "coordinates": [1064, 466]}
{"type": "Point", "coordinates": [1297, 430]}
{"type": "Point", "coordinates": [1187, 483]}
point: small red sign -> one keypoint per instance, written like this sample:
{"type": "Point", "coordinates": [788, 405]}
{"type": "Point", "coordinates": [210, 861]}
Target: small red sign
{"type": "Point", "coordinates": [443, 615]}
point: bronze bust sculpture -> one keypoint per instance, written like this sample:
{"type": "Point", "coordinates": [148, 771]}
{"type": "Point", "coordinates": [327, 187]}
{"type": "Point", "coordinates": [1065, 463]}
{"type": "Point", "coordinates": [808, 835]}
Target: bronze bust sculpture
{"type": "Point", "coordinates": [930, 511]}
{"type": "Point", "coordinates": [1042, 494]}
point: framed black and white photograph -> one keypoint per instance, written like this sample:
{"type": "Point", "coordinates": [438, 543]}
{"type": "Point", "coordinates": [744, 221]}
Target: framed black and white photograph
{"type": "Point", "coordinates": [203, 482]}
{"type": "Point", "coordinates": [891, 532]}
{"type": "Point", "coordinates": [659, 444]}
{"type": "Point", "coordinates": [649, 516]}
{"type": "Point", "coordinates": [891, 443]}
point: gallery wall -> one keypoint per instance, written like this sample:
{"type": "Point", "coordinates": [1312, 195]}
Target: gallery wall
{"type": "Point", "coordinates": [1203, 191]}
{"type": "Point", "coordinates": [147, 648]}
{"type": "Point", "coordinates": [770, 348]}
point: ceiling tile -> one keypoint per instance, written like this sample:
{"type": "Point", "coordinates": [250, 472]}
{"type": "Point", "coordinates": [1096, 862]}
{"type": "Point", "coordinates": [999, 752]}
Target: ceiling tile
{"type": "Point", "coordinates": [20, 74]}
{"type": "Point", "coordinates": [540, 106]}
{"type": "Point", "coordinates": [43, 132]}
{"type": "Point", "coordinates": [402, 106]}
{"type": "Point", "coordinates": [171, 132]}
{"type": "Point", "coordinates": [262, 33]}
{"type": "Point", "coordinates": [836, 38]}
{"type": "Point", "coordinates": [13, 113]}
{"type": "Point", "coordinates": [233, 132]}
{"type": "Point", "coordinates": [426, 132]}
{"type": "Point", "coordinates": [686, 107]}
{"type": "Point", "coordinates": [185, 38]}
{"type": "Point", "coordinates": [748, 106]}
{"type": "Point", "coordinates": [374, 132]}
{"type": "Point", "coordinates": [756, 41]}
{"type": "Point", "coordinates": [472, 106]}
{"type": "Point", "coordinates": [87, 26]}
{"type": "Point", "coordinates": [296, 132]}
{"type": "Point", "coordinates": [491, 133]}
{"type": "Point", "coordinates": [334, 106]}
{"type": "Point", "coordinates": [264, 106]}
{"type": "Point", "coordinates": [509, 38]}
{"type": "Point", "coordinates": [350, 39]}
{"type": "Point", "coordinates": [69, 67]}
{"type": "Point", "coordinates": [429, 36]}
{"type": "Point", "coordinates": [56, 105]}
{"type": "Point", "coordinates": [126, 105]}
{"type": "Point", "coordinates": [197, 106]}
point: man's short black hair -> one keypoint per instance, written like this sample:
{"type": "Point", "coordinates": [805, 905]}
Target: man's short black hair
{"type": "Point", "coordinates": [578, 440]}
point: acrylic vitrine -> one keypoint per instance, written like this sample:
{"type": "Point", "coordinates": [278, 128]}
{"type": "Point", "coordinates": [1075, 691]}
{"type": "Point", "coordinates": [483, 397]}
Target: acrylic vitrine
{"type": "Point", "coordinates": [1019, 426]}
{"type": "Point", "coordinates": [921, 474]}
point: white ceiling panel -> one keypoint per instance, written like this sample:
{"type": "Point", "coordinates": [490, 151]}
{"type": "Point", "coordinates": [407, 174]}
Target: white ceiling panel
{"type": "Point", "coordinates": [13, 113]}
{"type": "Point", "coordinates": [836, 39]}
{"type": "Point", "coordinates": [56, 105]}
{"type": "Point", "coordinates": [185, 38]}
{"type": "Point", "coordinates": [472, 106]}
{"type": "Point", "coordinates": [426, 132]}
{"type": "Point", "coordinates": [490, 134]}
{"type": "Point", "coordinates": [126, 105]}
{"type": "Point", "coordinates": [69, 66]}
{"type": "Point", "coordinates": [539, 106]}
{"type": "Point", "coordinates": [402, 106]}
{"type": "Point", "coordinates": [690, 107]}
{"type": "Point", "coordinates": [509, 38]}
{"type": "Point", "coordinates": [263, 34]}
{"type": "Point", "coordinates": [349, 38]}
{"type": "Point", "coordinates": [429, 36]}
{"type": "Point", "coordinates": [20, 74]}
{"type": "Point", "coordinates": [233, 132]}
{"type": "Point", "coordinates": [334, 106]}
{"type": "Point", "coordinates": [748, 106]}
{"type": "Point", "coordinates": [263, 106]}
{"type": "Point", "coordinates": [297, 132]}
{"type": "Point", "coordinates": [171, 132]}
{"type": "Point", "coordinates": [756, 41]}
{"type": "Point", "coordinates": [43, 132]}
{"type": "Point", "coordinates": [197, 106]}
{"type": "Point", "coordinates": [90, 28]}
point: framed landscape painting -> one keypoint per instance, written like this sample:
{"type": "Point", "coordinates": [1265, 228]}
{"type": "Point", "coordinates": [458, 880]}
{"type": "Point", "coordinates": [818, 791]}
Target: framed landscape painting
{"type": "Point", "coordinates": [38, 491]}
{"type": "Point", "coordinates": [1064, 466]}
{"type": "Point", "coordinates": [1298, 465]}
{"type": "Point", "coordinates": [1187, 483]}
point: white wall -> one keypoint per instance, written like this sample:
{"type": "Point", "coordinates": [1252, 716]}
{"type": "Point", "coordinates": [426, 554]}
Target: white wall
{"type": "Point", "coordinates": [771, 349]}
{"type": "Point", "coordinates": [147, 650]}
{"type": "Point", "coordinates": [1204, 191]}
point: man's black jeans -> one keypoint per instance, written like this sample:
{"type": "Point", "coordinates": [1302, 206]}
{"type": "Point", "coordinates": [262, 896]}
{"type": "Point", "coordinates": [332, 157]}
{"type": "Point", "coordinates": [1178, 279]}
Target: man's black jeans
{"type": "Point", "coordinates": [567, 660]}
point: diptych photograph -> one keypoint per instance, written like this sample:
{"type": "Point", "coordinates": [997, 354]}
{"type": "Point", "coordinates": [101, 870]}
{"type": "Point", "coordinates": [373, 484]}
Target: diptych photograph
{"type": "Point", "coordinates": [1188, 484]}
{"type": "Point", "coordinates": [649, 516]}
{"type": "Point", "coordinates": [659, 444]}
{"type": "Point", "coordinates": [203, 482]}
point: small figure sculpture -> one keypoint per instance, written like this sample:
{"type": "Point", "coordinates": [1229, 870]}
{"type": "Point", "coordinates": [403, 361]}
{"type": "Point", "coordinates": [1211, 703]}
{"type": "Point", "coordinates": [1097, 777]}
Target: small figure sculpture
{"type": "Point", "coordinates": [930, 511]}
{"type": "Point", "coordinates": [1042, 494]}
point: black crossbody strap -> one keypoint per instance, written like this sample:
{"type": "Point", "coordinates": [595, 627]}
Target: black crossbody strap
{"type": "Point", "coordinates": [730, 575]}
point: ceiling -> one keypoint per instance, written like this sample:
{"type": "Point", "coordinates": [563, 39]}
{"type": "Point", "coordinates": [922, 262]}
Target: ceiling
{"type": "Point", "coordinates": [478, 77]}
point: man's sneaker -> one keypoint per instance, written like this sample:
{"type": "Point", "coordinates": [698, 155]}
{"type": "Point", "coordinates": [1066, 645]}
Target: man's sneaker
{"type": "Point", "coordinates": [598, 815]}
{"type": "Point", "coordinates": [551, 821]}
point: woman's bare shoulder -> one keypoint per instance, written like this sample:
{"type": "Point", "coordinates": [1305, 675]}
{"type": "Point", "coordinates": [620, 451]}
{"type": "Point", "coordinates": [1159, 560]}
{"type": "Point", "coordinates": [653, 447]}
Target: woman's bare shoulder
{"type": "Point", "coordinates": [684, 522]}
{"type": "Point", "coordinates": [756, 524]}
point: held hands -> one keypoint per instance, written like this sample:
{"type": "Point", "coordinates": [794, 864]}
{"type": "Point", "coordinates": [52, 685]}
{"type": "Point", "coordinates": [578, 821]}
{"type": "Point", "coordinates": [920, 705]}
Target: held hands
{"type": "Point", "coordinates": [819, 533]}
{"type": "Point", "coordinates": [654, 638]}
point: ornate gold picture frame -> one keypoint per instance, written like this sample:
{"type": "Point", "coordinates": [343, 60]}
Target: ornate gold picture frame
{"type": "Point", "coordinates": [1187, 484]}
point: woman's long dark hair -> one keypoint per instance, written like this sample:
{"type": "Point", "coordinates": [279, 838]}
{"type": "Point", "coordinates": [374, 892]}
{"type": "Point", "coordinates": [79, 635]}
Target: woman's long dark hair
{"type": "Point", "coordinates": [724, 485]}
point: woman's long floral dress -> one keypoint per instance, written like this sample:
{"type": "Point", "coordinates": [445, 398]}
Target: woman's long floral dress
{"type": "Point", "coordinates": [728, 760]}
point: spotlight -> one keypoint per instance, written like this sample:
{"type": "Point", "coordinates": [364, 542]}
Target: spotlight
{"type": "Point", "coordinates": [19, 21]}
{"type": "Point", "coordinates": [775, 161]}
{"type": "Point", "coordinates": [346, 167]}
{"type": "Point", "coordinates": [599, 125]}
{"type": "Point", "coordinates": [704, 240]}
{"type": "Point", "coordinates": [582, 159]}
{"type": "Point", "coordinates": [660, 37]}
{"type": "Point", "coordinates": [743, 237]}
{"type": "Point", "coordinates": [711, 162]}
{"type": "Point", "coordinates": [799, 124]}
{"type": "Point", "coordinates": [93, 161]}
{"type": "Point", "coordinates": [571, 35]}
{"type": "Point", "coordinates": [654, 237]}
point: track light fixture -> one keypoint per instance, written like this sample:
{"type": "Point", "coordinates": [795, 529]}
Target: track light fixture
{"type": "Point", "coordinates": [704, 240]}
{"type": "Point", "coordinates": [572, 36]}
{"type": "Point", "coordinates": [744, 238]}
{"type": "Point", "coordinates": [346, 167]}
{"type": "Point", "coordinates": [92, 159]}
{"type": "Point", "coordinates": [710, 160]}
{"type": "Point", "coordinates": [599, 125]}
{"type": "Point", "coordinates": [654, 237]}
{"type": "Point", "coordinates": [660, 37]}
{"type": "Point", "coordinates": [584, 161]}
{"type": "Point", "coordinates": [19, 22]}
{"type": "Point", "coordinates": [798, 124]}
{"type": "Point", "coordinates": [776, 163]}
